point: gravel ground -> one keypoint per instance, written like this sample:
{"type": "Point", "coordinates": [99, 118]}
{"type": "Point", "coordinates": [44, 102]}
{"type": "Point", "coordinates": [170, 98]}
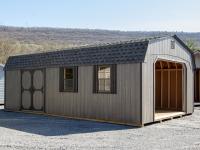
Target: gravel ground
{"type": "Point", "coordinates": [26, 131]}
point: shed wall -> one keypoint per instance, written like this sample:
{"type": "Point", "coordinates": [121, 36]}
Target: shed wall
{"type": "Point", "coordinates": [197, 60]}
{"type": "Point", "coordinates": [197, 77]}
{"type": "Point", "coordinates": [162, 50]}
{"type": "Point", "coordinates": [1, 85]}
{"type": "Point", "coordinates": [123, 107]}
{"type": "Point", "coordinates": [13, 90]}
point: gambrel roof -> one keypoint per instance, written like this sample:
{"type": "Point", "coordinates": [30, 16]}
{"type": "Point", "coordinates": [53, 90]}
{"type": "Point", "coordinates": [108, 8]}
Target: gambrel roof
{"type": "Point", "coordinates": [112, 53]}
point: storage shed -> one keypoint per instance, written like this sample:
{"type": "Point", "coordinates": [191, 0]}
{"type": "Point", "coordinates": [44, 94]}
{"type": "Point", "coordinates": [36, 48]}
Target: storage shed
{"type": "Point", "coordinates": [197, 76]}
{"type": "Point", "coordinates": [1, 84]}
{"type": "Point", "coordinates": [134, 82]}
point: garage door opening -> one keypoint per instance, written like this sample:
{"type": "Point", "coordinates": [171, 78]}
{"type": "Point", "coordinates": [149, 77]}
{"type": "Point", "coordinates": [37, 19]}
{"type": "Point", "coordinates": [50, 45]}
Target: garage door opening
{"type": "Point", "coordinates": [169, 87]}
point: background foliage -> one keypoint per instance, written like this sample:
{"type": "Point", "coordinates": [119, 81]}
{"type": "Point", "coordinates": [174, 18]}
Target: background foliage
{"type": "Point", "coordinates": [19, 40]}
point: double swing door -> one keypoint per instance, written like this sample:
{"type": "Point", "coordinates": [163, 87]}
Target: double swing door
{"type": "Point", "coordinates": [32, 90]}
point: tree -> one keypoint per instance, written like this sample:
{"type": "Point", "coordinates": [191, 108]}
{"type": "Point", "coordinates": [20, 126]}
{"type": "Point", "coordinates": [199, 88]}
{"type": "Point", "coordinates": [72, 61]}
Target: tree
{"type": "Point", "coordinates": [191, 44]}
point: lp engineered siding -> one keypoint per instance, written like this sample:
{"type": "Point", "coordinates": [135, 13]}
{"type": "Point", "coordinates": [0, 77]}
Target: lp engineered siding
{"type": "Point", "coordinates": [122, 107]}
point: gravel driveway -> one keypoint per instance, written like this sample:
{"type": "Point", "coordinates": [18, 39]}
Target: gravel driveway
{"type": "Point", "coordinates": [26, 131]}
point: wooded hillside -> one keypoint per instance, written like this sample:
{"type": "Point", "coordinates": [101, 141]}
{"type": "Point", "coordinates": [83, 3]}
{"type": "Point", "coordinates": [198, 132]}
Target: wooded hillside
{"type": "Point", "coordinates": [20, 40]}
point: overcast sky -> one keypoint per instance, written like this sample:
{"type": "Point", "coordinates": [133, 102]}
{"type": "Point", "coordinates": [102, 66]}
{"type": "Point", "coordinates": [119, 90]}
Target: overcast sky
{"type": "Point", "coordinates": [126, 15]}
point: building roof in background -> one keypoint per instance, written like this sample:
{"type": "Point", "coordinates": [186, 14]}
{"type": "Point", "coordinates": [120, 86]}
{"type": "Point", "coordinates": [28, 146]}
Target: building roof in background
{"type": "Point", "coordinates": [196, 52]}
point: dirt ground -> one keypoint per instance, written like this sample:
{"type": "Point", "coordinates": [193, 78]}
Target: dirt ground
{"type": "Point", "coordinates": [26, 131]}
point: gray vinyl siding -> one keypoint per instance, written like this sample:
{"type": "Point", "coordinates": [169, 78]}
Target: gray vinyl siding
{"type": "Point", "coordinates": [13, 90]}
{"type": "Point", "coordinates": [1, 86]}
{"type": "Point", "coordinates": [161, 49]}
{"type": "Point", "coordinates": [123, 107]}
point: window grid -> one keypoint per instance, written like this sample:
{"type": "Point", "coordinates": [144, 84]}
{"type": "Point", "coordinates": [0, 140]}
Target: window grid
{"type": "Point", "coordinates": [104, 78]}
{"type": "Point", "coordinates": [69, 79]}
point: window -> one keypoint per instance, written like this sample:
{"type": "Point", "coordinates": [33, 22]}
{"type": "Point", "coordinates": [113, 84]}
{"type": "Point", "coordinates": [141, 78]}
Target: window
{"type": "Point", "coordinates": [172, 44]}
{"type": "Point", "coordinates": [105, 79]}
{"type": "Point", "coordinates": [69, 79]}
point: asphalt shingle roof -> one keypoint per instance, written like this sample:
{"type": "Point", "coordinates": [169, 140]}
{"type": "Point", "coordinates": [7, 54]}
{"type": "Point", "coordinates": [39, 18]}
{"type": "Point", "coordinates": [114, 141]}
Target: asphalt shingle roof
{"type": "Point", "coordinates": [114, 53]}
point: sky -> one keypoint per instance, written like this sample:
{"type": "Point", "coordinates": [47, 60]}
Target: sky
{"type": "Point", "coordinates": [125, 15]}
